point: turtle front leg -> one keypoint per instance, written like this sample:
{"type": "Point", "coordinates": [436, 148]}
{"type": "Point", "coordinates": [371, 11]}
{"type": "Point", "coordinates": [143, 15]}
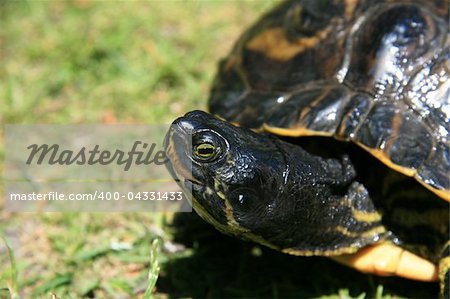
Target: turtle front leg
{"type": "Point", "coordinates": [388, 259]}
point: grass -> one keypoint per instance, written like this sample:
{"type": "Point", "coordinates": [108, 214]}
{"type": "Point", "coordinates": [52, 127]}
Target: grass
{"type": "Point", "coordinates": [139, 62]}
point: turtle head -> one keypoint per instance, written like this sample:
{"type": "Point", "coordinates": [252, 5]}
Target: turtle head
{"type": "Point", "coordinates": [233, 174]}
{"type": "Point", "coordinates": [260, 188]}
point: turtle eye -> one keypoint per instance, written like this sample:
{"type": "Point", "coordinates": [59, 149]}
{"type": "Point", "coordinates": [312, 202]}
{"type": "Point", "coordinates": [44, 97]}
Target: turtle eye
{"type": "Point", "coordinates": [207, 146]}
{"type": "Point", "coordinates": [205, 151]}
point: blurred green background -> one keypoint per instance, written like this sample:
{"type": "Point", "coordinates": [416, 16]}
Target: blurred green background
{"type": "Point", "coordinates": [138, 62]}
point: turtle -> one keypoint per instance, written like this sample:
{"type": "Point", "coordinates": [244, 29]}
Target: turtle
{"type": "Point", "coordinates": [328, 135]}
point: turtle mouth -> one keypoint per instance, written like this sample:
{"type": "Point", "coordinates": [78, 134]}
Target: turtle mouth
{"type": "Point", "coordinates": [177, 148]}
{"type": "Point", "coordinates": [172, 171]}
{"type": "Point", "coordinates": [186, 184]}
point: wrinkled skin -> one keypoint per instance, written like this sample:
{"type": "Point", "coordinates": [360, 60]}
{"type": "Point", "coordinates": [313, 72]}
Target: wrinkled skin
{"type": "Point", "coordinates": [264, 189]}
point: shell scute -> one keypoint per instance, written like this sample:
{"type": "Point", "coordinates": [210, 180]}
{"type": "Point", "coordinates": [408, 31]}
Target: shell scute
{"type": "Point", "coordinates": [373, 72]}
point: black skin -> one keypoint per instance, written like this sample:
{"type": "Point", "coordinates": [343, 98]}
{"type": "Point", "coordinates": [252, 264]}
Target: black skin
{"type": "Point", "coordinates": [277, 190]}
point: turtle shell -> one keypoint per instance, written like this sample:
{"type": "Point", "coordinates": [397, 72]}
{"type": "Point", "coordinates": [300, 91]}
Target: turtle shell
{"type": "Point", "coordinates": [375, 73]}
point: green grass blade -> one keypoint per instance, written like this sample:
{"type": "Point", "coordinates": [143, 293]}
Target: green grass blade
{"type": "Point", "coordinates": [154, 269]}
{"type": "Point", "coordinates": [12, 286]}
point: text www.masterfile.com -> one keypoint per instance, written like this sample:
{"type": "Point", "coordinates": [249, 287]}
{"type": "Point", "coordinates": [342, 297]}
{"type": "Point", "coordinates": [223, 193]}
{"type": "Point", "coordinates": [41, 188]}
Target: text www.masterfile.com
{"type": "Point", "coordinates": [97, 195]}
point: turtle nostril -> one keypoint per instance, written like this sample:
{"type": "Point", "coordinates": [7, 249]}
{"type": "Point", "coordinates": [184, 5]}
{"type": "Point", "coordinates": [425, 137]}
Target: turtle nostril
{"type": "Point", "coordinates": [184, 125]}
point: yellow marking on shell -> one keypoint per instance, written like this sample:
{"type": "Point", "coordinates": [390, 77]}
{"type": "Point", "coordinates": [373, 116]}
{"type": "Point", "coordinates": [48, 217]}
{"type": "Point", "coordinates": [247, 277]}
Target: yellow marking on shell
{"type": "Point", "coordinates": [350, 7]}
{"type": "Point", "coordinates": [314, 104]}
{"type": "Point", "coordinates": [294, 132]}
{"type": "Point", "coordinates": [366, 234]}
{"type": "Point", "coordinates": [444, 194]}
{"type": "Point", "coordinates": [274, 43]}
{"type": "Point", "coordinates": [387, 259]}
{"type": "Point", "coordinates": [382, 156]}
